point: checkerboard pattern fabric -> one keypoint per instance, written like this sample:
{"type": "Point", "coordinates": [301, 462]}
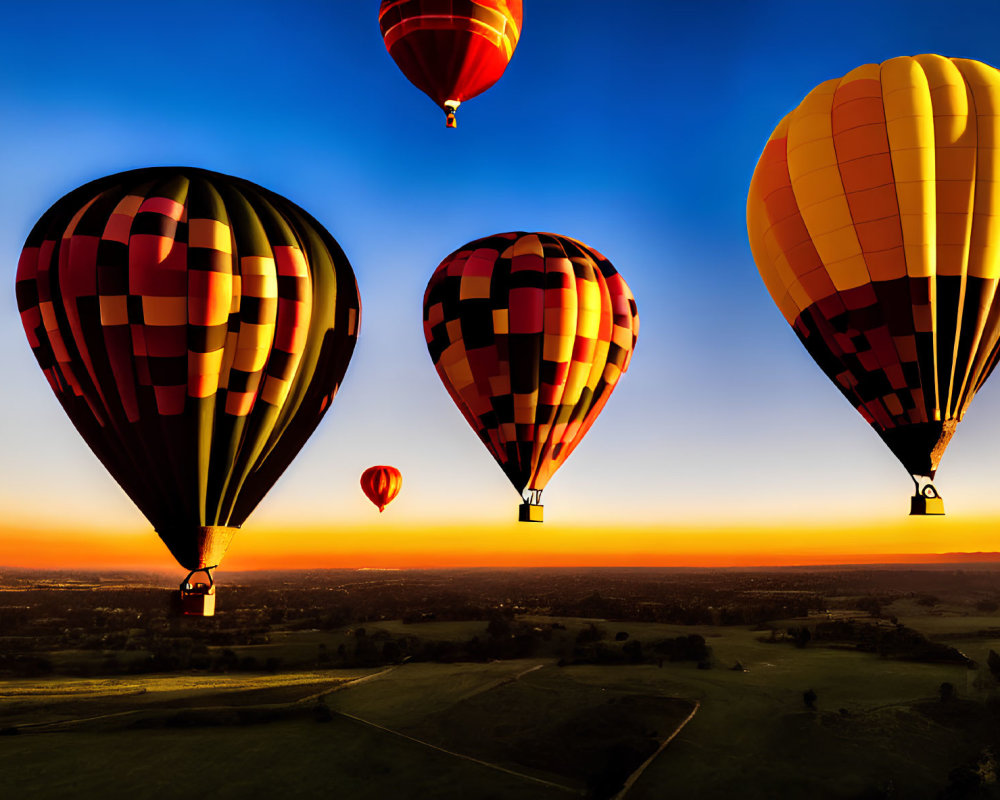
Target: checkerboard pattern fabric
{"type": "Point", "coordinates": [529, 333]}
{"type": "Point", "coordinates": [873, 216]}
{"type": "Point", "coordinates": [195, 327]}
{"type": "Point", "coordinates": [452, 50]}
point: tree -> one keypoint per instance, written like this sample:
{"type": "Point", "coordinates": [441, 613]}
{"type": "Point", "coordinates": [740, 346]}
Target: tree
{"type": "Point", "coordinates": [590, 634]}
{"type": "Point", "coordinates": [226, 661]}
{"type": "Point", "coordinates": [321, 711]}
{"type": "Point", "coordinates": [391, 652]}
{"type": "Point", "coordinates": [869, 603]}
{"type": "Point", "coordinates": [499, 627]}
{"type": "Point", "coordinates": [993, 662]}
{"type": "Point", "coordinates": [801, 636]}
{"type": "Point", "coordinates": [633, 651]}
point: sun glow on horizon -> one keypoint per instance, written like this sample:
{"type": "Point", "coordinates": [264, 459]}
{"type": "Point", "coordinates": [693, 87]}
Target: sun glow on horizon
{"type": "Point", "coordinates": [396, 546]}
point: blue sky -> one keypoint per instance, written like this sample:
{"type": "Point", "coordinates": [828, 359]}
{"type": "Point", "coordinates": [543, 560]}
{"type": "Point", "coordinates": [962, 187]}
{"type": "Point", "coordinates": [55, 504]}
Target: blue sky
{"type": "Point", "coordinates": [632, 125]}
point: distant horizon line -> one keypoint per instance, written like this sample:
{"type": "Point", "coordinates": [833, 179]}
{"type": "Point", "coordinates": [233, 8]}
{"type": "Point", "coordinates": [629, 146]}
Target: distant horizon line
{"type": "Point", "coordinates": [790, 562]}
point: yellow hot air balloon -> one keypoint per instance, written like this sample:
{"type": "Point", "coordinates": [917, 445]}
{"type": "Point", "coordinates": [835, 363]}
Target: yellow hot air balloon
{"type": "Point", "coordinates": [874, 219]}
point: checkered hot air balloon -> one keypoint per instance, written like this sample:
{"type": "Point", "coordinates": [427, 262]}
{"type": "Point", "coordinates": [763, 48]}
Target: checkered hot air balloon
{"type": "Point", "coordinates": [381, 484]}
{"type": "Point", "coordinates": [873, 216]}
{"type": "Point", "coordinates": [195, 327]}
{"type": "Point", "coordinates": [451, 50]}
{"type": "Point", "coordinates": [529, 333]}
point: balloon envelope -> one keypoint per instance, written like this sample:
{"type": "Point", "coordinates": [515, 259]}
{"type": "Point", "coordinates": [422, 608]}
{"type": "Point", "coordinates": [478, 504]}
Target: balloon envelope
{"type": "Point", "coordinates": [873, 219]}
{"type": "Point", "coordinates": [529, 333]}
{"type": "Point", "coordinates": [381, 484]}
{"type": "Point", "coordinates": [195, 328]}
{"type": "Point", "coordinates": [451, 51]}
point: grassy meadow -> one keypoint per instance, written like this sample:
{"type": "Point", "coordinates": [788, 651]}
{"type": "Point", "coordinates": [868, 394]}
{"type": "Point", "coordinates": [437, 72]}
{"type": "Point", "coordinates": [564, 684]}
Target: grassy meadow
{"type": "Point", "coordinates": [519, 728]}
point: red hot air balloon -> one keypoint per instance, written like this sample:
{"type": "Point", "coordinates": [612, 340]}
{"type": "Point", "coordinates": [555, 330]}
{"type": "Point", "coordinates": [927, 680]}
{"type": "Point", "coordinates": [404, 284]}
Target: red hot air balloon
{"type": "Point", "coordinates": [452, 50]}
{"type": "Point", "coordinates": [530, 333]}
{"type": "Point", "coordinates": [195, 328]}
{"type": "Point", "coordinates": [381, 484]}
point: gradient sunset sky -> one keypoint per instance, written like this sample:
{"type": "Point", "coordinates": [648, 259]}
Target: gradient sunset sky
{"type": "Point", "coordinates": [633, 125]}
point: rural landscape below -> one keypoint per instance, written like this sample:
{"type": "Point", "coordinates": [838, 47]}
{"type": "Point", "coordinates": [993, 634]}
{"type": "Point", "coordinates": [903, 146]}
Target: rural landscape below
{"type": "Point", "coordinates": [845, 682]}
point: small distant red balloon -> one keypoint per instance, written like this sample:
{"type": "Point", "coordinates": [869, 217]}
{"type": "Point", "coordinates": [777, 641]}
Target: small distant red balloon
{"type": "Point", "coordinates": [451, 50]}
{"type": "Point", "coordinates": [381, 484]}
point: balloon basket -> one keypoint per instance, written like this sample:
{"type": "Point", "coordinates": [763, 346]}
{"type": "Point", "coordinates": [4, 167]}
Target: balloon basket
{"type": "Point", "coordinates": [921, 506]}
{"type": "Point", "coordinates": [529, 512]}
{"type": "Point", "coordinates": [195, 600]}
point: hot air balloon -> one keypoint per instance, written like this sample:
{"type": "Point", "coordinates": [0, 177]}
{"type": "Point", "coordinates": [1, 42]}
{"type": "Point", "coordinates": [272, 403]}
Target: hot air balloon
{"type": "Point", "coordinates": [872, 217]}
{"type": "Point", "coordinates": [381, 484]}
{"type": "Point", "coordinates": [195, 327]}
{"type": "Point", "coordinates": [451, 50]}
{"type": "Point", "coordinates": [529, 333]}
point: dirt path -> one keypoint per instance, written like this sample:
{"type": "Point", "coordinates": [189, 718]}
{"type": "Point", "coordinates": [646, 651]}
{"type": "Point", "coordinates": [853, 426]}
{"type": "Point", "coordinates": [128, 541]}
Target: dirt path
{"type": "Point", "coordinates": [663, 746]}
{"type": "Point", "coordinates": [460, 755]}
{"type": "Point", "coordinates": [510, 679]}
{"type": "Point", "coordinates": [344, 685]}
{"type": "Point", "coordinates": [525, 672]}
{"type": "Point", "coordinates": [46, 727]}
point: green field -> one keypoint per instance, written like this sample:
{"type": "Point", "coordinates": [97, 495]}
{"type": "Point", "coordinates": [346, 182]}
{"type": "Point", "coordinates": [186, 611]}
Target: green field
{"type": "Point", "coordinates": [288, 759]}
{"type": "Point", "coordinates": [114, 739]}
{"type": "Point", "coordinates": [509, 729]}
{"type": "Point", "coordinates": [753, 737]}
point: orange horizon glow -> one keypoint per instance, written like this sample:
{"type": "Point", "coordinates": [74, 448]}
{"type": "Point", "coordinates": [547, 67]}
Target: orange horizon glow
{"type": "Point", "coordinates": [423, 547]}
